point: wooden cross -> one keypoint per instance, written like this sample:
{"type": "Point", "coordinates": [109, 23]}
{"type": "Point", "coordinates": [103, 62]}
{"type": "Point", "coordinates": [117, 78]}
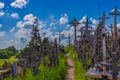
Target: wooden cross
{"type": "Point", "coordinates": [75, 23]}
{"type": "Point", "coordinates": [111, 28]}
{"type": "Point", "coordinates": [104, 17]}
{"type": "Point", "coordinates": [113, 66]}
{"type": "Point", "coordinates": [59, 34]}
{"type": "Point", "coordinates": [86, 25]}
{"type": "Point", "coordinates": [115, 13]}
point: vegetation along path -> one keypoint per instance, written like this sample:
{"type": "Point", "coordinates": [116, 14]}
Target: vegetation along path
{"type": "Point", "coordinates": [70, 71]}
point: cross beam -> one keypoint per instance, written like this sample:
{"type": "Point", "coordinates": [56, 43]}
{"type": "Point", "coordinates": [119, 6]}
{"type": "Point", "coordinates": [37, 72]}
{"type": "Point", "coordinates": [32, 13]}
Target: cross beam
{"type": "Point", "coordinates": [75, 23]}
{"type": "Point", "coordinates": [104, 17]}
{"type": "Point", "coordinates": [86, 24]}
{"type": "Point", "coordinates": [115, 13]}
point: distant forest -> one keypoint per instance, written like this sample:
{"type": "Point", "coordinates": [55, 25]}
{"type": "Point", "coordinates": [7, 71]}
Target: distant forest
{"type": "Point", "coordinates": [8, 52]}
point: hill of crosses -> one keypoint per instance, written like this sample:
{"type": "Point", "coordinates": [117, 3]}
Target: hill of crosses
{"type": "Point", "coordinates": [55, 46]}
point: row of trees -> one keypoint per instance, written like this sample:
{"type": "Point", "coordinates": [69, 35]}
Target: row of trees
{"type": "Point", "coordinates": [8, 52]}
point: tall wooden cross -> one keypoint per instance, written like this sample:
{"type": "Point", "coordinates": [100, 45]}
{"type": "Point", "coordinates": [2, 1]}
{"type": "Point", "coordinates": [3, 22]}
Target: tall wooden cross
{"type": "Point", "coordinates": [115, 13]}
{"type": "Point", "coordinates": [75, 23]}
{"type": "Point", "coordinates": [86, 25]}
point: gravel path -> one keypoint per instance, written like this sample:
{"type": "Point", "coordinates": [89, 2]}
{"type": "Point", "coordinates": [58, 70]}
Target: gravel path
{"type": "Point", "coordinates": [70, 71]}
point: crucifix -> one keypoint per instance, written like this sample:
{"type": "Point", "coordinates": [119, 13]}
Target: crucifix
{"type": "Point", "coordinates": [115, 13]}
{"type": "Point", "coordinates": [75, 23]}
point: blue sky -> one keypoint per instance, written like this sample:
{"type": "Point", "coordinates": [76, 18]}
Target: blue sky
{"type": "Point", "coordinates": [54, 16]}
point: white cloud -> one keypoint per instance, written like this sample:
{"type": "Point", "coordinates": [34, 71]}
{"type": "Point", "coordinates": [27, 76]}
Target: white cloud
{"type": "Point", "coordinates": [29, 19]}
{"type": "Point", "coordinates": [22, 33]}
{"type": "Point", "coordinates": [118, 26]}
{"type": "Point", "coordinates": [2, 34]}
{"type": "Point", "coordinates": [83, 19]}
{"type": "Point", "coordinates": [51, 24]}
{"type": "Point", "coordinates": [63, 19]}
{"type": "Point", "coordinates": [0, 25]}
{"type": "Point", "coordinates": [1, 13]}
{"type": "Point", "coordinates": [11, 30]}
{"type": "Point", "coordinates": [67, 26]}
{"type": "Point", "coordinates": [14, 15]}
{"type": "Point", "coordinates": [25, 27]}
{"type": "Point", "coordinates": [2, 5]}
{"type": "Point", "coordinates": [19, 3]}
{"type": "Point", "coordinates": [94, 21]}
{"type": "Point", "coordinates": [20, 24]}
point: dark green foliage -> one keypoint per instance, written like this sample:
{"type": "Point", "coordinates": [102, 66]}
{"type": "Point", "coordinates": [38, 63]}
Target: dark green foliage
{"type": "Point", "coordinates": [8, 52]}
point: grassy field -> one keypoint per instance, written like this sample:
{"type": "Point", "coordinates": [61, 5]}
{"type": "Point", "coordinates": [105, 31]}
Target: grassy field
{"type": "Point", "coordinates": [11, 60]}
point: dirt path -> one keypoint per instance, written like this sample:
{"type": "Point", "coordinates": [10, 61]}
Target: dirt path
{"type": "Point", "coordinates": [70, 71]}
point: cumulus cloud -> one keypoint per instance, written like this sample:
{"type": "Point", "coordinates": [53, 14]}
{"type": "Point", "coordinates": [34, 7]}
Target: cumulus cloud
{"type": "Point", "coordinates": [2, 5]}
{"type": "Point", "coordinates": [51, 24]}
{"type": "Point", "coordinates": [28, 20]}
{"type": "Point", "coordinates": [63, 19]}
{"type": "Point", "coordinates": [2, 34]}
{"type": "Point", "coordinates": [118, 26]}
{"type": "Point", "coordinates": [11, 30]}
{"type": "Point", "coordinates": [25, 27]}
{"type": "Point", "coordinates": [1, 13]}
{"type": "Point", "coordinates": [94, 21]}
{"type": "Point", "coordinates": [19, 3]}
{"type": "Point", "coordinates": [14, 15]}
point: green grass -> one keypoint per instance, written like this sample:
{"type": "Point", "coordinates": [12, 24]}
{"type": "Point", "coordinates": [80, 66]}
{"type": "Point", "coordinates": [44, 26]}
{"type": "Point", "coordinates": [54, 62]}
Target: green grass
{"type": "Point", "coordinates": [12, 59]}
{"type": "Point", "coordinates": [47, 73]}
{"type": "Point", "coordinates": [79, 72]}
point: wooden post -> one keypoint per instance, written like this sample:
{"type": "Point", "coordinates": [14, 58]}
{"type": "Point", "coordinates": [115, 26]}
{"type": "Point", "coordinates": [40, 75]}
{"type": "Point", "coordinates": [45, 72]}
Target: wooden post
{"type": "Point", "coordinates": [69, 39]}
{"type": "Point", "coordinates": [104, 51]}
{"type": "Point", "coordinates": [86, 25]}
{"type": "Point", "coordinates": [111, 28]}
{"type": "Point", "coordinates": [75, 23]}
{"type": "Point", "coordinates": [59, 34]}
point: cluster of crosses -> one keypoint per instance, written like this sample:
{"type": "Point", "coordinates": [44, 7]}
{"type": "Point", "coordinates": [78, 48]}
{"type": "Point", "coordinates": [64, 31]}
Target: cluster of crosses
{"type": "Point", "coordinates": [38, 51]}
{"type": "Point", "coordinates": [101, 46]}
{"type": "Point", "coordinates": [83, 45]}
